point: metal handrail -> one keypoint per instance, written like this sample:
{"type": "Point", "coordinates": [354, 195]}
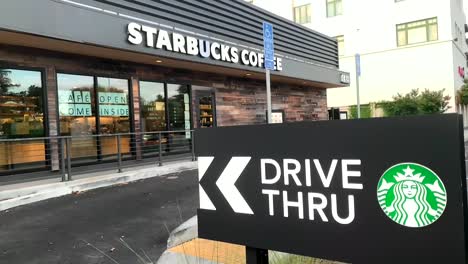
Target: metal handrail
{"type": "Point", "coordinates": [95, 135]}
{"type": "Point", "coordinates": [58, 149]}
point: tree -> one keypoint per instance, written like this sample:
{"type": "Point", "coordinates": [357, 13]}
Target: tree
{"type": "Point", "coordinates": [36, 92]}
{"type": "Point", "coordinates": [462, 94]}
{"type": "Point", "coordinates": [5, 81]}
{"type": "Point", "coordinates": [416, 103]}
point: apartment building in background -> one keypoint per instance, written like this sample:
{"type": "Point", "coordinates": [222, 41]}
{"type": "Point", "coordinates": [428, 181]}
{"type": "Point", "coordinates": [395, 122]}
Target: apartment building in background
{"type": "Point", "coordinates": [403, 44]}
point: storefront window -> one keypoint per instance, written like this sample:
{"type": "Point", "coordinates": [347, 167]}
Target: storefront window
{"type": "Point", "coordinates": [179, 107]}
{"type": "Point", "coordinates": [114, 113]}
{"type": "Point", "coordinates": [113, 105]}
{"type": "Point", "coordinates": [153, 106]}
{"type": "Point", "coordinates": [21, 104]}
{"type": "Point", "coordinates": [21, 116]}
{"type": "Point", "coordinates": [76, 113]}
{"type": "Point", "coordinates": [76, 104]}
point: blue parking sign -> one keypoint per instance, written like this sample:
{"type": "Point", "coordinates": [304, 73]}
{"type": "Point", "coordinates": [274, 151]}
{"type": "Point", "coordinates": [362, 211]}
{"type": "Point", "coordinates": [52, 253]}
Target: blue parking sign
{"type": "Point", "coordinates": [268, 46]}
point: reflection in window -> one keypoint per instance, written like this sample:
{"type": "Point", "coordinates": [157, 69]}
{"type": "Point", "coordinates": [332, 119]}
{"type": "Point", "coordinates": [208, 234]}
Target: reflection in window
{"type": "Point", "coordinates": [113, 105]}
{"type": "Point", "coordinates": [417, 32]}
{"type": "Point", "coordinates": [21, 116]}
{"type": "Point", "coordinates": [114, 114]}
{"type": "Point", "coordinates": [179, 107]}
{"type": "Point", "coordinates": [21, 104]}
{"type": "Point", "coordinates": [76, 113]}
{"type": "Point", "coordinates": [76, 104]}
{"type": "Point", "coordinates": [153, 106]}
{"type": "Point", "coordinates": [178, 110]}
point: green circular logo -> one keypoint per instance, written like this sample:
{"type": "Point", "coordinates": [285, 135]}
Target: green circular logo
{"type": "Point", "coordinates": [411, 195]}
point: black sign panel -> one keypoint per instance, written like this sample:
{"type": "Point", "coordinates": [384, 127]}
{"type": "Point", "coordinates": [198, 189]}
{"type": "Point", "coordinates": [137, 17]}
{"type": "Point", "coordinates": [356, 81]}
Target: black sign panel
{"type": "Point", "coordinates": [389, 190]}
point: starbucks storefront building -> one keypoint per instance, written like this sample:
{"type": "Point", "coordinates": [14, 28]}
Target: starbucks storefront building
{"type": "Point", "coordinates": [93, 67]}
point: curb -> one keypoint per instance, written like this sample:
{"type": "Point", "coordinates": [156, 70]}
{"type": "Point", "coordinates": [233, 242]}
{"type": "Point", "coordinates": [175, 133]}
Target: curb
{"type": "Point", "coordinates": [183, 233]}
{"type": "Point", "coordinates": [173, 258]}
{"type": "Point", "coordinates": [187, 232]}
{"type": "Point", "coordinates": [42, 190]}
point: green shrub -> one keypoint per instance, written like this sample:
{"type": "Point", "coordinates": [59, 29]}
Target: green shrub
{"type": "Point", "coordinates": [366, 111]}
{"type": "Point", "coordinates": [282, 258]}
{"type": "Point", "coordinates": [416, 103]}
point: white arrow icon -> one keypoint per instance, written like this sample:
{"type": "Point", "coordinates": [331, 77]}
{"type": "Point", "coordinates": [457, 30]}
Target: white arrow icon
{"type": "Point", "coordinates": [203, 164]}
{"type": "Point", "coordinates": [226, 183]}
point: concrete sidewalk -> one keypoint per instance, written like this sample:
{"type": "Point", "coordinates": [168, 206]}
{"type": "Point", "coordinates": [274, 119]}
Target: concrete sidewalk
{"type": "Point", "coordinates": [24, 193]}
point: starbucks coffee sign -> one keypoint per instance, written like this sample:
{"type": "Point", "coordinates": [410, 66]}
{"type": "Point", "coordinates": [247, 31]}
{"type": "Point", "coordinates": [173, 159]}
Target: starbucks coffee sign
{"type": "Point", "coordinates": [412, 195]}
{"type": "Point", "coordinates": [157, 38]}
{"type": "Point", "coordinates": [385, 191]}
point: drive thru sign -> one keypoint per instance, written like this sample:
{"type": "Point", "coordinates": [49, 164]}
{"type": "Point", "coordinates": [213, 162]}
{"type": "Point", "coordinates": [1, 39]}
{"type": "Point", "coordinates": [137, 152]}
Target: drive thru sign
{"type": "Point", "coordinates": [387, 190]}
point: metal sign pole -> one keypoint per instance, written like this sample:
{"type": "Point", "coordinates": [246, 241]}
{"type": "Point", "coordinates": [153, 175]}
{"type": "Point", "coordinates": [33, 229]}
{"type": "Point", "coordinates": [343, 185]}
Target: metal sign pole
{"type": "Point", "coordinates": [269, 62]}
{"type": "Point", "coordinates": [357, 94]}
{"type": "Point", "coordinates": [256, 256]}
{"type": "Point", "coordinates": [358, 73]}
{"type": "Point", "coordinates": [268, 94]}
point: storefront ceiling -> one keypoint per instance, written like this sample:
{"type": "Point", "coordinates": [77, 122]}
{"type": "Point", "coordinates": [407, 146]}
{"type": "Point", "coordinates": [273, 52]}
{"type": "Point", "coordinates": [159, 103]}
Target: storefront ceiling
{"type": "Point", "coordinates": [26, 40]}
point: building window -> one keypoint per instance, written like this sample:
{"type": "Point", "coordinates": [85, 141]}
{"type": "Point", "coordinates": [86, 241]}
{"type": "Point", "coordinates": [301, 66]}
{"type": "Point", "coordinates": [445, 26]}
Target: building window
{"type": "Point", "coordinates": [178, 106]}
{"type": "Point", "coordinates": [113, 105]}
{"type": "Point", "coordinates": [80, 106]}
{"type": "Point", "coordinates": [334, 8]}
{"type": "Point", "coordinates": [417, 32]}
{"type": "Point", "coordinates": [165, 107]}
{"type": "Point", "coordinates": [114, 114]}
{"type": "Point", "coordinates": [21, 104]}
{"type": "Point", "coordinates": [21, 116]}
{"type": "Point", "coordinates": [77, 113]}
{"type": "Point", "coordinates": [153, 106]}
{"type": "Point", "coordinates": [302, 14]}
{"type": "Point", "coordinates": [76, 104]}
{"type": "Point", "coordinates": [340, 42]}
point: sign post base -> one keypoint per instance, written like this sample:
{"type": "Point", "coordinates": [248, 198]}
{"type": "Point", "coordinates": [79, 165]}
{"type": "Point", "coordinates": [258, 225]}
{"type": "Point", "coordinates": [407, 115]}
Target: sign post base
{"type": "Point", "coordinates": [256, 255]}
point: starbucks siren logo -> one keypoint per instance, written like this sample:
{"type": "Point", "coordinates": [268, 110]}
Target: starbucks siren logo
{"type": "Point", "coordinates": [411, 195]}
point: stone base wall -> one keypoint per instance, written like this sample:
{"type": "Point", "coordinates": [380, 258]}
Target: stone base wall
{"type": "Point", "coordinates": [244, 103]}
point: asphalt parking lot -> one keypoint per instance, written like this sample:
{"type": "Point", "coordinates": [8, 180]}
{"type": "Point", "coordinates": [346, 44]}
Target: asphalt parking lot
{"type": "Point", "coordinates": [122, 224]}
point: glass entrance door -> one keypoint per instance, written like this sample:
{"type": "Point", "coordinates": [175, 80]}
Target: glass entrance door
{"type": "Point", "coordinates": [206, 110]}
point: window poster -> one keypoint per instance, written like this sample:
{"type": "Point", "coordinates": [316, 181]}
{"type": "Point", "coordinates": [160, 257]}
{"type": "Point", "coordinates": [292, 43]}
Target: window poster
{"type": "Point", "coordinates": [74, 103]}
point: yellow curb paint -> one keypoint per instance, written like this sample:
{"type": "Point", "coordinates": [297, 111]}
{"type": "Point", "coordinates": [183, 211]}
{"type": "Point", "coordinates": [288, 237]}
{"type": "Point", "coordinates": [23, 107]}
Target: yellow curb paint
{"type": "Point", "coordinates": [218, 252]}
